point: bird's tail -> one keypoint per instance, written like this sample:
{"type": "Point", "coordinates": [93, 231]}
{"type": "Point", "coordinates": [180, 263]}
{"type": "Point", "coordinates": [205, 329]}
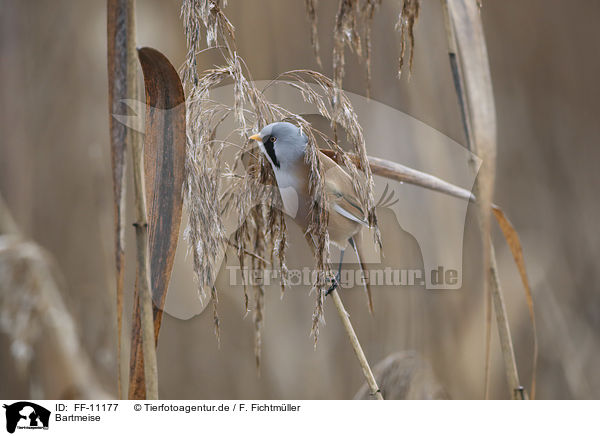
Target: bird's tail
{"type": "Point", "coordinates": [357, 250]}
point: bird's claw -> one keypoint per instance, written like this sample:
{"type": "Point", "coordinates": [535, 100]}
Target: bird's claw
{"type": "Point", "coordinates": [335, 282]}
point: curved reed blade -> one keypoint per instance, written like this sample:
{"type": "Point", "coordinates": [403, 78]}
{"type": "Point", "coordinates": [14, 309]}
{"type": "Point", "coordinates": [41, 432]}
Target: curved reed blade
{"type": "Point", "coordinates": [164, 159]}
{"type": "Point", "coordinates": [512, 239]}
{"type": "Point", "coordinates": [477, 98]}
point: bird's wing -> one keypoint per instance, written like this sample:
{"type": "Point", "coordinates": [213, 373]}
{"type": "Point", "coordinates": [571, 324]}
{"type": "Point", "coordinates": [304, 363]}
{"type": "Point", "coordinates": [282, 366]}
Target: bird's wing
{"type": "Point", "coordinates": [340, 191]}
{"type": "Point", "coordinates": [345, 213]}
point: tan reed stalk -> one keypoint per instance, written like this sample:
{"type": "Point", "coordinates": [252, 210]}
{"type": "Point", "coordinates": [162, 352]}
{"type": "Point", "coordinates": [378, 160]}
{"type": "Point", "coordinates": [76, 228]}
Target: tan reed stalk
{"type": "Point", "coordinates": [358, 351]}
{"type": "Point", "coordinates": [121, 61]}
{"type": "Point", "coordinates": [141, 235]}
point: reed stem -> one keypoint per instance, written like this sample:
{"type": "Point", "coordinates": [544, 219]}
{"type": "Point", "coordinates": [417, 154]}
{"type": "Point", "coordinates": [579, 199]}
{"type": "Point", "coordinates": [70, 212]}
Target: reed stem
{"type": "Point", "coordinates": [141, 234]}
{"type": "Point", "coordinates": [358, 351]}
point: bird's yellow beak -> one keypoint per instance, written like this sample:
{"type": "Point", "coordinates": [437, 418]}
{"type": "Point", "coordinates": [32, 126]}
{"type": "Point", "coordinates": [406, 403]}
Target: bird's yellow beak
{"type": "Point", "coordinates": [256, 137]}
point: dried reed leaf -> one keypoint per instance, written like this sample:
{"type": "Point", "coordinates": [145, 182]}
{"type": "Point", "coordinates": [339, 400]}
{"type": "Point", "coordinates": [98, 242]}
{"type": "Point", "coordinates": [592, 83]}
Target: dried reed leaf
{"type": "Point", "coordinates": [405, 25]}
{"type": "Point", "coordinates": [512, 239]}
{"type": "Point", "coordinates": [164, 165]}
{"type": "Point", "coordinates": [368, 12]}
{"type": "Point", "coordinates": [311, 11]}
{"type": "Point", "coordinates": [164, 157]}
{"type": "Point", "coordinates": [506, 344]}
{"type": "Point", "coordinates": [488, 345]}
{"type": "Point", "coordinates": [479, 109]}
{"type": "Point", "coordinates": [216, 321]}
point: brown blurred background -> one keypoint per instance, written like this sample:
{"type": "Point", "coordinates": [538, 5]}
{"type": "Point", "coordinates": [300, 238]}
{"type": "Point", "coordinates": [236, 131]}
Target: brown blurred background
{"type": "Point", "coordinates": [55, 178]}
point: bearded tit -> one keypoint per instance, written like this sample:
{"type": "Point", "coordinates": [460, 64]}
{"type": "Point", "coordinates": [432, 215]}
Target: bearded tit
{"type": "Point", "coordinates": [284, 146]}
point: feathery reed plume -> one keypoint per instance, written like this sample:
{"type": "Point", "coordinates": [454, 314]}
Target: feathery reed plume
{"type": "Point", "coordinates": [211, 189]}
{"type": "Point", "coordinates": [24, 268]}
{"type": "Point", "coordinates": [205, 232]}
{"type": "Point", "coordinates": [346, 31]}
{"type": "Point", "coordinates": [31, 305]}
{"type": "Point", "coordinates": [198, 15]}
{"type": "Point", "coordinates": [353, 25]}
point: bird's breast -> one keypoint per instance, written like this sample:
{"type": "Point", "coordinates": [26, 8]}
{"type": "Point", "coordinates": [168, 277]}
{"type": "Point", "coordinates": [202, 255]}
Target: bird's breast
{"type": "Point", "coordinates": [293, 188]}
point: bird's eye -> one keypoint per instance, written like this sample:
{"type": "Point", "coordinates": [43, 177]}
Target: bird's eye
{"type": "Point", "coordinates": [273, 139]}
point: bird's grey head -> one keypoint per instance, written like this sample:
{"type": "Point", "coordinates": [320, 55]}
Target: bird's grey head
{"type": "Point", "coordinates": [283, 143]}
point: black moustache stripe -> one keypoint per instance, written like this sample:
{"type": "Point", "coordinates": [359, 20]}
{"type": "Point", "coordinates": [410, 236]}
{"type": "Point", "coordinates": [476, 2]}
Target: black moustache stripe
{"type": "Point", "coordinates": [270, 147]}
